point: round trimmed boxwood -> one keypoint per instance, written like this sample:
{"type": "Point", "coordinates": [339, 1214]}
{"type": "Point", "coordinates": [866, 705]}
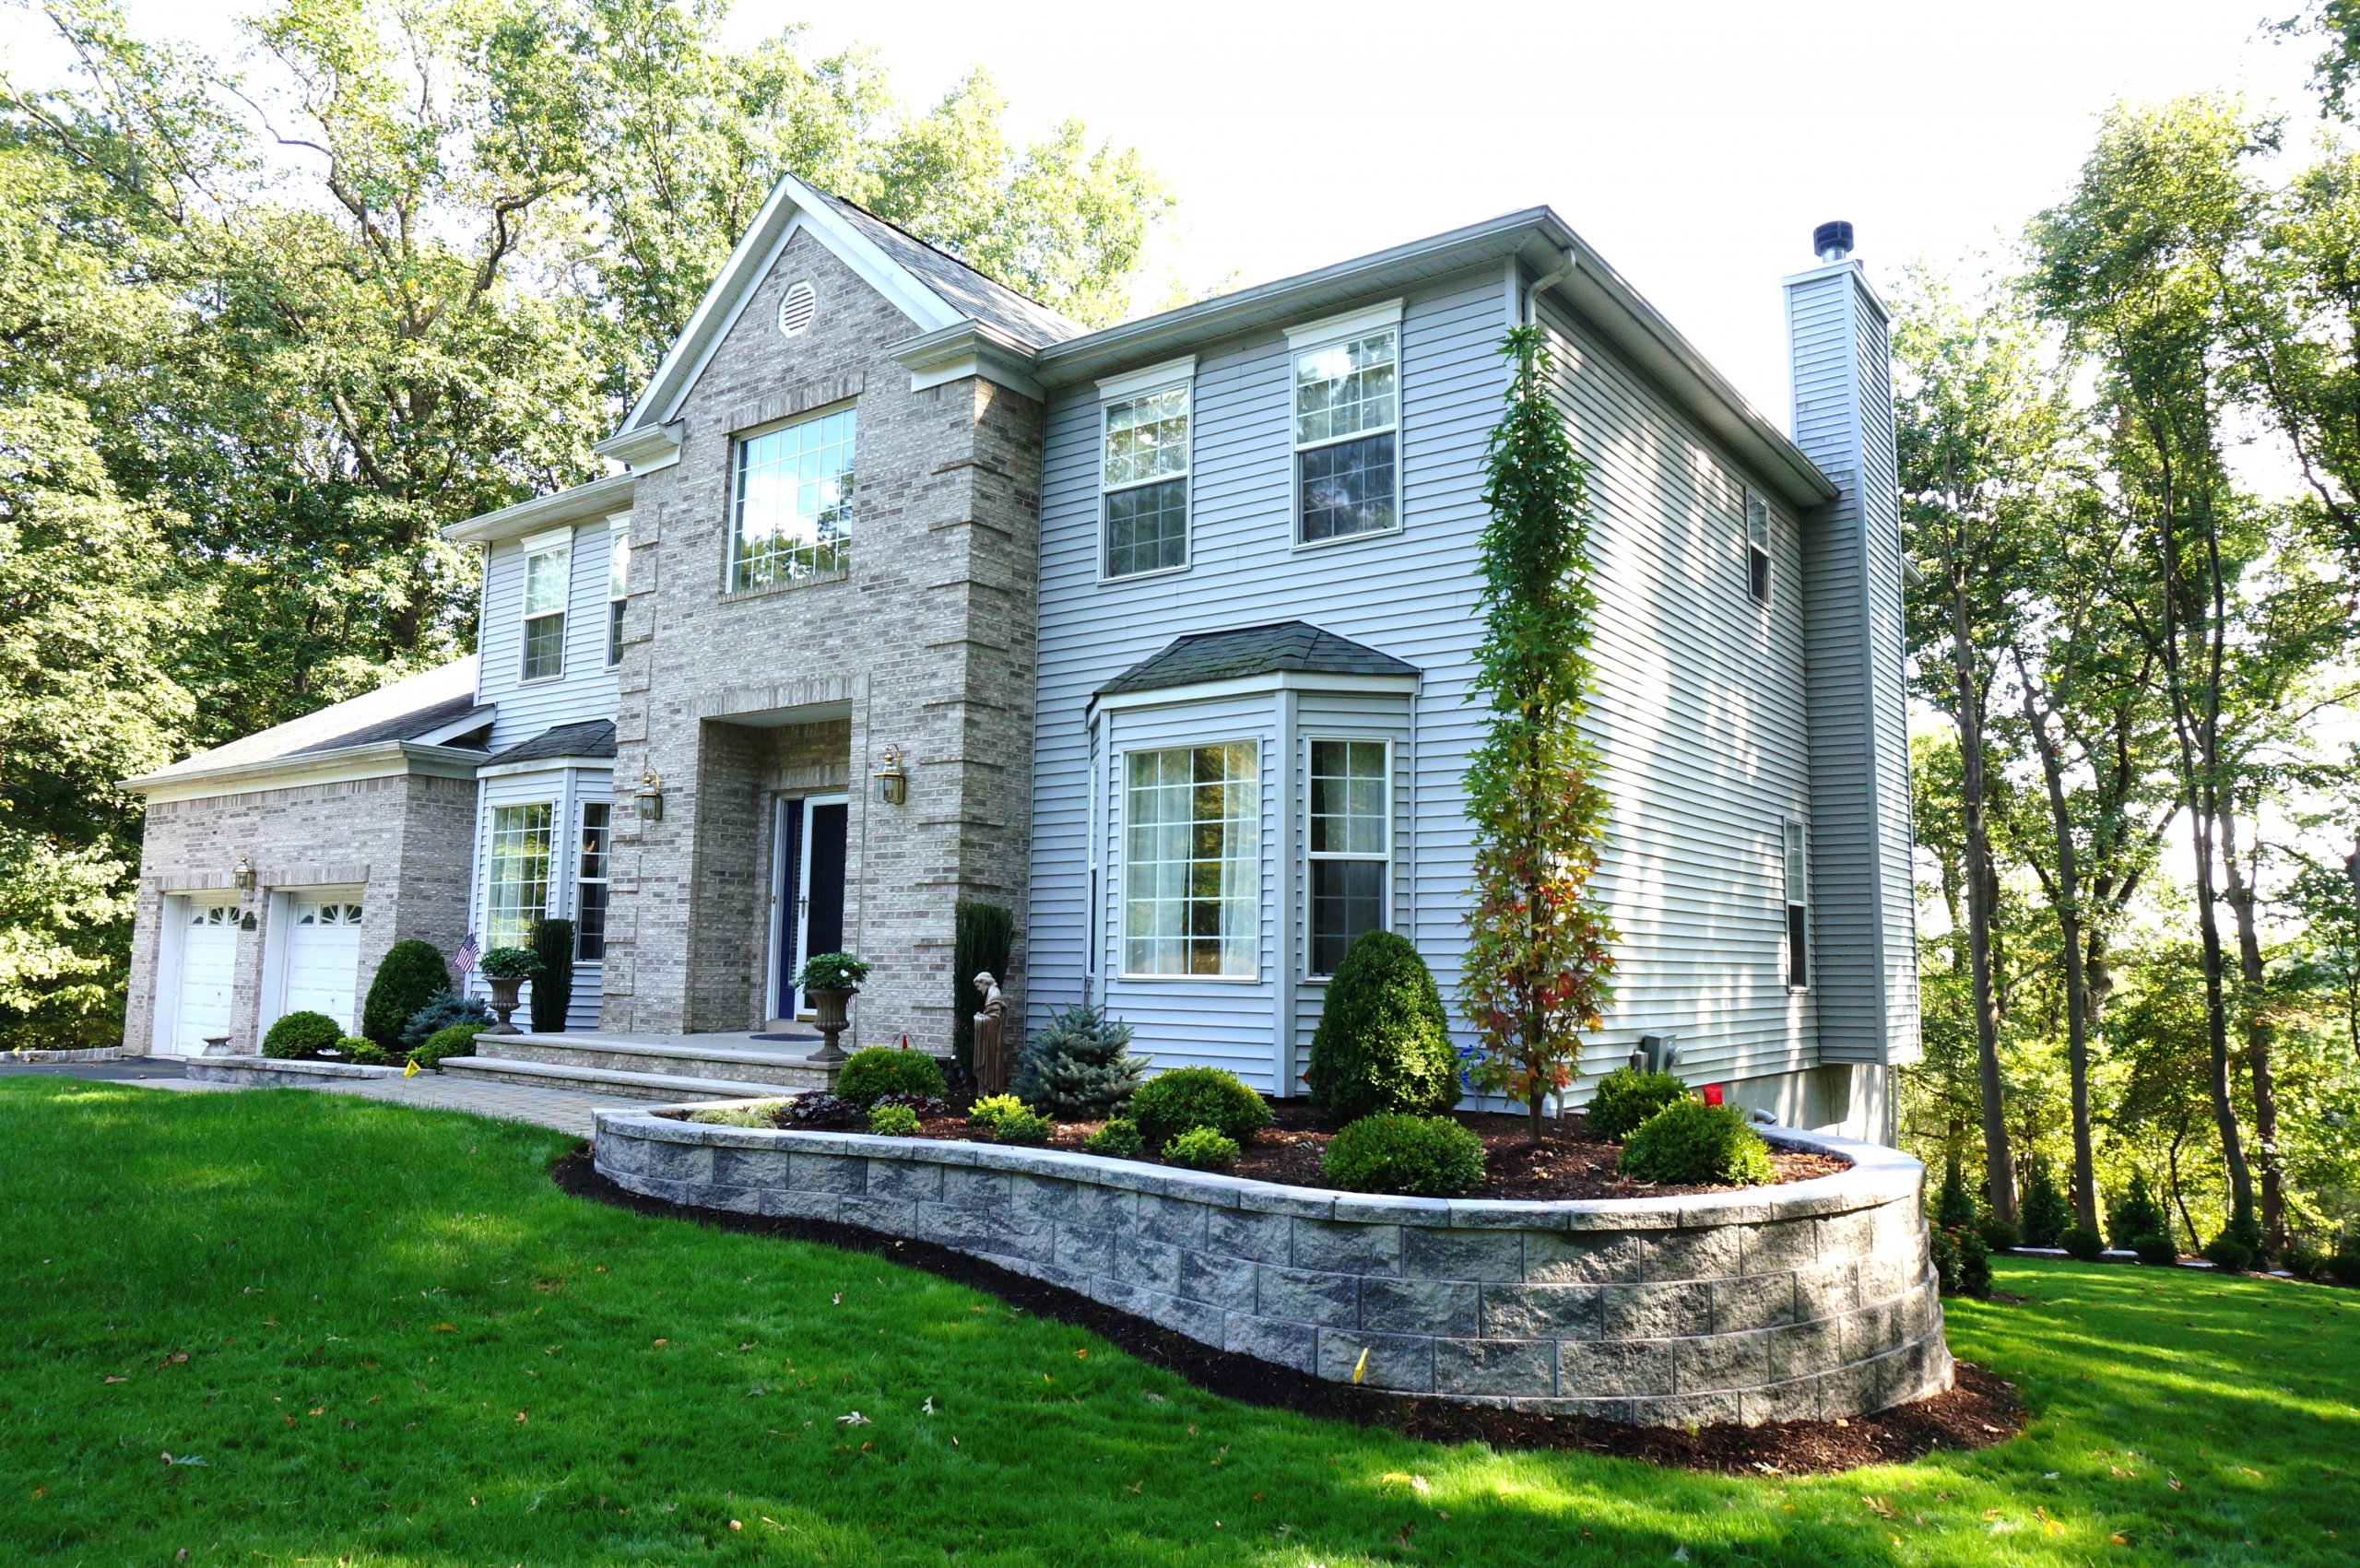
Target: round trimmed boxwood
{"type": "Point", "coordinates": [2084, 1243]}
{"type": "Point", "coordinates": [2156, 1249]}
{"type": "Point", "coordinates": [869, 1076]}
{"type": "Point", "coordinates": [300, 1035]}
{"type": "Point", "coordinates": [456, 1040]}
{"type": "Point", "coordinates": [1626, 1097]}
{"type": "Point", "coordinates": [411, 975]}
{"type": "Point", "coordinates": [1171, 1103]}
{"type": "Point", "coordinates": [1118, 1139]}
{"type": "Point", "coordinates": [1688, 1142]}
{"type": "Point", "coordinates": [1383, 1041]}
{"type": "Point", "coordinates": [1419, 1156]}
{"type": "Point", "coordinates": [1202, 1149]}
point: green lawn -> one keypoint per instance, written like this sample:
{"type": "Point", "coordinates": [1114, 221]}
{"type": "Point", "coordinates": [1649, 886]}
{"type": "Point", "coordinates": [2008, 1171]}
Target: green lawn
{"type": "Point", "coordinates": [389, 1340]}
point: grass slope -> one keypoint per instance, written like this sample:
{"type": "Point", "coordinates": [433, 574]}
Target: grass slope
{"type": "Point", "coordinates": [402, 1346]}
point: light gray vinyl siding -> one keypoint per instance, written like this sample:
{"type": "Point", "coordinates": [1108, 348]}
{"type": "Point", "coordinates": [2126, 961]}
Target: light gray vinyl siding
{"type": "Point", "coordinates": [564, 790]}
{"type": "Point", "coordinates": [587, 689]}
{"type": "Point", "coordinates": [1334, 716]}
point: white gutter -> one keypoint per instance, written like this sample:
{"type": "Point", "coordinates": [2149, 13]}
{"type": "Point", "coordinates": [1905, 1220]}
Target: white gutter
{"type": "Point", "coordinates": [1541, 286]}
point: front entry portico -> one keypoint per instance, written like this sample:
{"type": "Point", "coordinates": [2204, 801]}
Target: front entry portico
{"type": "Point", "coordinates": [807, 892]}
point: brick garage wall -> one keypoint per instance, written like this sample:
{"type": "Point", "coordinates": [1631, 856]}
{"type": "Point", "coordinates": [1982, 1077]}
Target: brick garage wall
{"type": "Point", "coordinates": [924, 643]}
{"type": "Point", "coordinates": [402, 839]}
{"type": "Point", "coordinates": [1810, 1300]}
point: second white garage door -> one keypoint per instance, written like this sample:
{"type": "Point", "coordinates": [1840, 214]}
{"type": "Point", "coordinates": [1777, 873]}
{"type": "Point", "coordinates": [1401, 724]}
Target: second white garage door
{"type": "Point", "coordinates": [323, 958]}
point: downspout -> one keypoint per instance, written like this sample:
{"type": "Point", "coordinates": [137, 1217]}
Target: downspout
{"type": "Point", "coordinates": [1533, 295]}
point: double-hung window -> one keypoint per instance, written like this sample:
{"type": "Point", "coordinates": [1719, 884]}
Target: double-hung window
{"type": "Point", "coordinates": [1348, 846]}
{"type": "Point", "coordinates": [618, 572]}
{"type": "Point", "coordinates": [548, 570]}
{"type": "Point", "coordinates": [1757, 547]}
{"type": "Point", "coordinates": [1192, 861]}
{"type": "Point", "coordinates": [518, 884]}
{"type": "Point", "coordinates": [1798, 881]}
{"type": "Point", "coordinates": [1347, 425]}
{"type": "Point", "coordinates": [590, 885]}
{"type": "Point", "coordinates": [1143, 471]}
{"type": "Point", "coordinates": [791, 506]}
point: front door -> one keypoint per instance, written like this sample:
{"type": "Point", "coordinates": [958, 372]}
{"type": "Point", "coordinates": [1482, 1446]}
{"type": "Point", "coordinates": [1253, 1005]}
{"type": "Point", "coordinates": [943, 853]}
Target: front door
{"type": "Point", "coordinates": [810, 889]}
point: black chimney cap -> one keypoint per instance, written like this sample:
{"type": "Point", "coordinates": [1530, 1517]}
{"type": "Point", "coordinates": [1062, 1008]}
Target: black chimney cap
{"type": "Point", "coordinates": [1836, 235]}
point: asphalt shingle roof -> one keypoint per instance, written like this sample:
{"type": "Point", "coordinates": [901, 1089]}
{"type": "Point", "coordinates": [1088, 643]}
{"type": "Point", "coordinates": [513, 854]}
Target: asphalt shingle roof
{"type": "Point", "coordinates": [969, 292]}
{"type": "Point", "coordinates": [594, 737]}
{"type": "Point", "coordinates": [402, 711]}
{"type": "Point", "coordinates": [1287, 646]}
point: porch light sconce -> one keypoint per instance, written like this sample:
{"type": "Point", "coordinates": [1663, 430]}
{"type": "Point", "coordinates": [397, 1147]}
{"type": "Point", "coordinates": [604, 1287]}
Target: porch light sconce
{"type": "Point", "coordinates": [241, 874]}
{"type": "Point", "coordinates": [892, 784]}
{"type": "Point", "coordinates": [650, 797]}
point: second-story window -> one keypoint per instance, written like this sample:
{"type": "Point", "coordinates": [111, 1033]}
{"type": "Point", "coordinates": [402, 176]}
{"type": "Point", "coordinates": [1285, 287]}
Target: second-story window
{"type": "Point", "coordinates": [617, 571]}
{"type": "Point", "coordinates": [791, 514]}
{"type": "Point", "coordinates": [1757, 547]}
{"type": "Point", "coordinates": [1798, 879]}
{"type": "Point", "coordinates": [548, 568]}
{"type": "Point", "coordinates": [1347, 425]}
{"type": "Point", "coordinates": [1143, 472]}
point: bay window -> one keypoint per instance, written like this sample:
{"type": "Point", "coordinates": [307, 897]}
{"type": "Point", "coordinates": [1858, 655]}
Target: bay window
{"type": "Point", "coordinates": [791, 505]}
{"type": "Point", "coordinates": [517, 877]}
{"type": "Point", "coordinates": [1348, 845]}
{"type": "Point", "coordinates": [590, 884]}
{"type": "Point", "coordinates": [1192, 861]}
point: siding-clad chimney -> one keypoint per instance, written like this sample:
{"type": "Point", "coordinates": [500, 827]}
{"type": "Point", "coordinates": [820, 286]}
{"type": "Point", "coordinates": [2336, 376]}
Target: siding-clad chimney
{"type": "Point", "coordinates": [1863, 904]}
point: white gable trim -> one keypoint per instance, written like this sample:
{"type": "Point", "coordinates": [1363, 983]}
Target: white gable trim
{"type": "Point", "coordinates": [792, 207]}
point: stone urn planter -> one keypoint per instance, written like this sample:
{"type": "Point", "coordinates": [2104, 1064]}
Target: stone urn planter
{"type": "Point", "coordinates": [503, 1001]}
{"type": "Point", "coordinates": [829, 1002]}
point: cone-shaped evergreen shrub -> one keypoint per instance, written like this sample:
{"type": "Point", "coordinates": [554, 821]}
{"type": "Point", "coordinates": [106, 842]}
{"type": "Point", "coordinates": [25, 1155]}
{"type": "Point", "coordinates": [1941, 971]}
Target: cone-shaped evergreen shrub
{"type": "Point", "coordinates": [2136, 1214]}
{"type": "Point", "coordinates": [1956, 1207]}
{"type": "Point", "coordinates": [552, 943]}
{"type": "Point", "coordinates": [1079, 1066]}
{"type": "Point", "coordinates": [411, 975]}
{"type": "Point", "coordinates": [1383, 1041]}
{"type": "Point", "coordinates": [2044, 1215]}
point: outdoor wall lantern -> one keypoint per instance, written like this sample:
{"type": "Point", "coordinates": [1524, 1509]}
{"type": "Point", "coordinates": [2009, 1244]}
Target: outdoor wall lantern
{"type": "Point", "coordinates": [892, 784]}
{"type": "Point", "coordinates": [650, 797]}
{"type": "Point", "coordinates": [241, 874]}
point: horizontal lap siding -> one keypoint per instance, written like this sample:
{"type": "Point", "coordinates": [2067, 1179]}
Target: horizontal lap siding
{"type": "Point", "coordinates": [587, 690]}
{"type": "Point", "coordinates": [565, 790]}
{"type": "Point", "coordinates": [1327, 716]}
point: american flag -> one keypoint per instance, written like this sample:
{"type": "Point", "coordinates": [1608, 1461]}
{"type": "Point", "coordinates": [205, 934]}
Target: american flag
{"type": "Point", "coordinates": [463, 962]}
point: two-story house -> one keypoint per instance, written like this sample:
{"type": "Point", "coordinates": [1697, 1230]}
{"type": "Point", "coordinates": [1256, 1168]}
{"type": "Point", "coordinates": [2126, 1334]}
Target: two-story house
{"type": "Point", "coordinates": [1160, 636]}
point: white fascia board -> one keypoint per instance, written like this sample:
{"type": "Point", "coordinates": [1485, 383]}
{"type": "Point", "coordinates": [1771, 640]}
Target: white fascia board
{"type": "Point", "coordinates": [967, 348]}
{"type": "Point", "coordinates": [593, 500]}
{"type": "Point", "coordinates": [1351, 323]}
{"type": "Point", "coordinates": [376, 760]}
{"type": "Point", "coordinates": [546, 765]}
{"type": "Point", "coordinates": [1256, 685]}
{"type": "Point", "coordinates": [1130, 384]}
{"type": "Point", "coordinates": [643, 450]}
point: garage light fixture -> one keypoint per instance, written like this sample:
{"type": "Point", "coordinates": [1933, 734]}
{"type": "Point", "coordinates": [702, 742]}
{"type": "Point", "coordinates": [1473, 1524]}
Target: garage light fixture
{"type": "Point", "coordinates": [892, 784]}
{"type": "Point", "coordinates": [242, 876]}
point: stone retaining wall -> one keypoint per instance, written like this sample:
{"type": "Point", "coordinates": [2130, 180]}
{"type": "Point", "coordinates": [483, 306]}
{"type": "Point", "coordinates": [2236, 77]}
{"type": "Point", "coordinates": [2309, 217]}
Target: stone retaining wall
{"type": "Point", "coordinates": [1812, 1300]}
{"type": "Point", "coordinates": [277, 1072]}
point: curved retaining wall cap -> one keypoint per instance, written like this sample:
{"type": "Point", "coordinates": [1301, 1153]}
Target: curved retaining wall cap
{"type": "Point", "coordinates": [1808, 1301]}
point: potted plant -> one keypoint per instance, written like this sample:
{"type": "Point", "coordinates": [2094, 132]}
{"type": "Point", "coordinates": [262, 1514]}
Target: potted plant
{"type": "Point", "coordinates": [506, 969]}
{"type": "Point", "coordinates": [830, 980]}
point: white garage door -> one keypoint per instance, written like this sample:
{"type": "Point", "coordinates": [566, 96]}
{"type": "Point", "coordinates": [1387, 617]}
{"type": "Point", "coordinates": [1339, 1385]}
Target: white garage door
{"type": "Point", "coordinates": [323, 958]}
{"type": "Point", "coordinates": [209, 970]}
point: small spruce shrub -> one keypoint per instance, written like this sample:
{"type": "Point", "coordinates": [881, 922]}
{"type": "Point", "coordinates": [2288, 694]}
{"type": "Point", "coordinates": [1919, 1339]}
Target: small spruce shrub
{"type": "Point", "coordinates": [1172, 1101]}
{"type": "Point", "coordinates": [2225, 1251]}
{"type": "Point", "coordinates": [411, 975]}
{"type": "Point", "coordinates": [1974, 1265]}
{"type": "Point", "coordinates": [2043, 1213]}
{"type": "Point", "coordinates": [300, 1035]}
{"type": "Point", "coordinates": [1626, 1097]}
{"type": "Point", "coordinates": [2083, 1243]}
{"type": "Point", "coordinates": [1956, 1207]}
{"type": "Point", "coordinates": [1396, 1152]}
{"type": "Point", "coordinates": [1119, 1139]}
{"type": "Point", "coordinates": [1202, 1149]}
{"type": "Point", "coordinates": [1079, 1066]}
{"type": "Point", "coordinates": [1383, 1041]}
{"type": "Point", "coordinates": [753, 1114]}
{"type": "Point", "coordinates": [1999, 1234]}
{"type": "Point", "coordinates": [458, 1040]}
{"type": "Point", "coordinates": [2135, 1214]}
{"type": "Point", "coordinates": [820, 1111]}
{"type": "Point", "coordinates": [869, 1076]}
{"type": "Point", "coordinates": [441, 1011]}
{"type": "Point", "coordinates": [1690, 1143]}
{"type": "Point", "coordinates": [893, 1120]}
{"type": "Point", "coordinates": [2156, 1248]}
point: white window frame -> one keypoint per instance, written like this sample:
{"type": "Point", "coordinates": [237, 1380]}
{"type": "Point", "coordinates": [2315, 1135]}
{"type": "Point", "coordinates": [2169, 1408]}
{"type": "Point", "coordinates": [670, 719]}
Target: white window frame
{"type": "Point", "coordinates": [1122, 786]}
{"type": "Point", "coordinates": [558, 542]}
{"type": "Point", "coordinates": [582, 880]}
{"type": "Point", "coordinates": [1310, 856]}
{"type": "Point", "coordinates": [1794, 874]}
{"type": "Point", "coordinates": [1759, 533]}
{"type": "Point", "coordinates": [1172, 375]}
{"type": "Point", "coordinates": [1329, 332]}
{"type": "Point", "coordinates": [618, 580]}
{"type": "Point", "coordinates": [733, 530]}
{"type": "Point", "coordinates": [551, 864]}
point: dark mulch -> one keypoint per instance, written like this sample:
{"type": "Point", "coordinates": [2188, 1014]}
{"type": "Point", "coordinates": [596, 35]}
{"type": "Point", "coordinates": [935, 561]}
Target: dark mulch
{"type": "Point", "coordinates": [1980, 1410]}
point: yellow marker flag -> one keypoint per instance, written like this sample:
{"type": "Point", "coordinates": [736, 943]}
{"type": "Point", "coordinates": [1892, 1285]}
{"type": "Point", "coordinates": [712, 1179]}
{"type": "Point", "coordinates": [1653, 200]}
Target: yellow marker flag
{"type": "Point", "coordinates": [411, 1070]}
{"type": "Point", "coordinates": [1361, 1365]}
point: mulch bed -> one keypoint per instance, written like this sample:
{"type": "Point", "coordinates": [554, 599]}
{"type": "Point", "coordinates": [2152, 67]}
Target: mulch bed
{"type": "Point", "coordinates": [1980, 1410]}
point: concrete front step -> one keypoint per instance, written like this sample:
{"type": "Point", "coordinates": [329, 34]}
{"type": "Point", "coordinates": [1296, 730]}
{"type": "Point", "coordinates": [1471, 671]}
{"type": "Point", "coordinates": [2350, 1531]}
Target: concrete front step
{"type": "Point", "coordinates": [670, 1059]}
{"type": "Point", "coordinates": [609, 1082]}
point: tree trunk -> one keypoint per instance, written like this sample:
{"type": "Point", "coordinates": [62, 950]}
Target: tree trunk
{"type": "Point", "coordinates": [1980, 889]}
{"type": "Point", "coordinates": [2069, 923]}
{"type": "Point", "coordinates": [2180, 1199]}
{"type": "Point", "coordinates": [2258, 1042]}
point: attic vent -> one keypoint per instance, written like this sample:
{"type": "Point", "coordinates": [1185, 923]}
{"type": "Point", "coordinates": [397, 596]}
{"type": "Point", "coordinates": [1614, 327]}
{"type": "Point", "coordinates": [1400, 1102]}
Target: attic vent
{"type": "Point", "coordinates": [796, 310]}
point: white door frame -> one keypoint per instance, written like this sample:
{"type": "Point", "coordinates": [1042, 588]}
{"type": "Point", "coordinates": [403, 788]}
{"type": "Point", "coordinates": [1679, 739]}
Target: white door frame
{"type": "Point", "coordinates": [787, 924]}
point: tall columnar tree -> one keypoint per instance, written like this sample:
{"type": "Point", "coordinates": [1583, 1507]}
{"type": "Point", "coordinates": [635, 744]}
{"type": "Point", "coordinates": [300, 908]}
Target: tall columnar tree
{"type": "Point", "coordinates": [1538, 965]}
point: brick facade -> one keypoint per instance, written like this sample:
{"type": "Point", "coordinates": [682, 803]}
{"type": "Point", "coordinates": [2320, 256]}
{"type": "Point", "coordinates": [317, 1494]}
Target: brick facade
{"type": "Point", "coordinates": [738, 699]}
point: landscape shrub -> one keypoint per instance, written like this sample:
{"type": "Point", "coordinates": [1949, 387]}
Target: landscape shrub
{"type": "Point", "coordinates": [1172, 1101]}
{"type": "Point", "coordinates": [2156, 1247]}
{"type": "Point", "coordinates": [1690, 1142]}
{"type": "Point", "coordinates": [981, 935]}
{"type": "Point", "coordinates": [352, 1048]}
{"type": "Point", "coordinates": [893, 1120]}
{"type": "Point", "coordinates": [1974, 1265]}
{"type": "Point", "coordinates": [552, 943]}
{"type": "Point", "coordinates": [457, 1040]}
{"type": "Point", "coordinates": [300, 1035]}
{"type": "Point", "coordinates": [1396, 1152]}
{"type": "Point", "coordinates": [1626, 1097]}
{"type": "Point", "coordinates": [869, 1076]}
{"type": "Point", "coordinates": [2043, 1213]}
{"type": "Point", "coordinates": [1022, 1124]}
{"type": "Point", "coordinates": [921, 1105]}
{"type": "Point", "coordinates": [2225, 1251]}
{"type": "Point", "coordinates": [986, 1113]}
{"type": "Point", "coordinates": [1202, 1149]}
{"type": "Point", "coordinates": [1383, 1041]}
{"type": "Point", "coordinates": [411, 975]}
{"type": "Point", "coordinates": [441, 1012]}
{"type": "Point", "coordinates": [2134, 1214]}
{"type": "Point", "coordinates": [821, 1111]}
{"type": "Point", "coordinates": [2080, 1242]}
{"type": "Point", "coordinates": [1942, 1250]}
{"type": "Point", "coordinates": [2343, 1264]}
{"type": "Point", "coordinates": [1999, 1234]}
{"type": "Point", "coordinates": [753, 1114]}
{"type": "Point", "coordinates": [2303, 1260]}
{"type": "Point", "coordinates": [1079, 1065]}
{"type": "Point", "coordinates": [1956, 1207]}
{"type": "Point", "coordinates": [1120, 1139]}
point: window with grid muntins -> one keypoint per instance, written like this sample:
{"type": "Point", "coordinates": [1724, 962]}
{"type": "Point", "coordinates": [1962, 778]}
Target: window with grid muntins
{"type": "Point", "coordinates": [546, 579]}
{"type": "Point", "coordinates": [590, 884]}
{"type": "Point", "coordinates": [517, 885]}
{"type": "Point", "coordinates": [1192, 861]}
{"type": "Point", "coordinates": [618, 573]}
{"type": "Point", "coordinates": [791, 514]}
{"type": "Point", "coordinates": [1145, 478]}
{"type": "Point", "coordinates": [1347, 417]}
{"type": "Point", "coordinates": [1348, 844]}
{"type": "Point", "coordinates": [1796, 872]}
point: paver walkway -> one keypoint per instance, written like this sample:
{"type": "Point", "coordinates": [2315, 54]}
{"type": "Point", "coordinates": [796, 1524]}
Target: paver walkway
{"type": "Point", "coordinates": [565, 1111]}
